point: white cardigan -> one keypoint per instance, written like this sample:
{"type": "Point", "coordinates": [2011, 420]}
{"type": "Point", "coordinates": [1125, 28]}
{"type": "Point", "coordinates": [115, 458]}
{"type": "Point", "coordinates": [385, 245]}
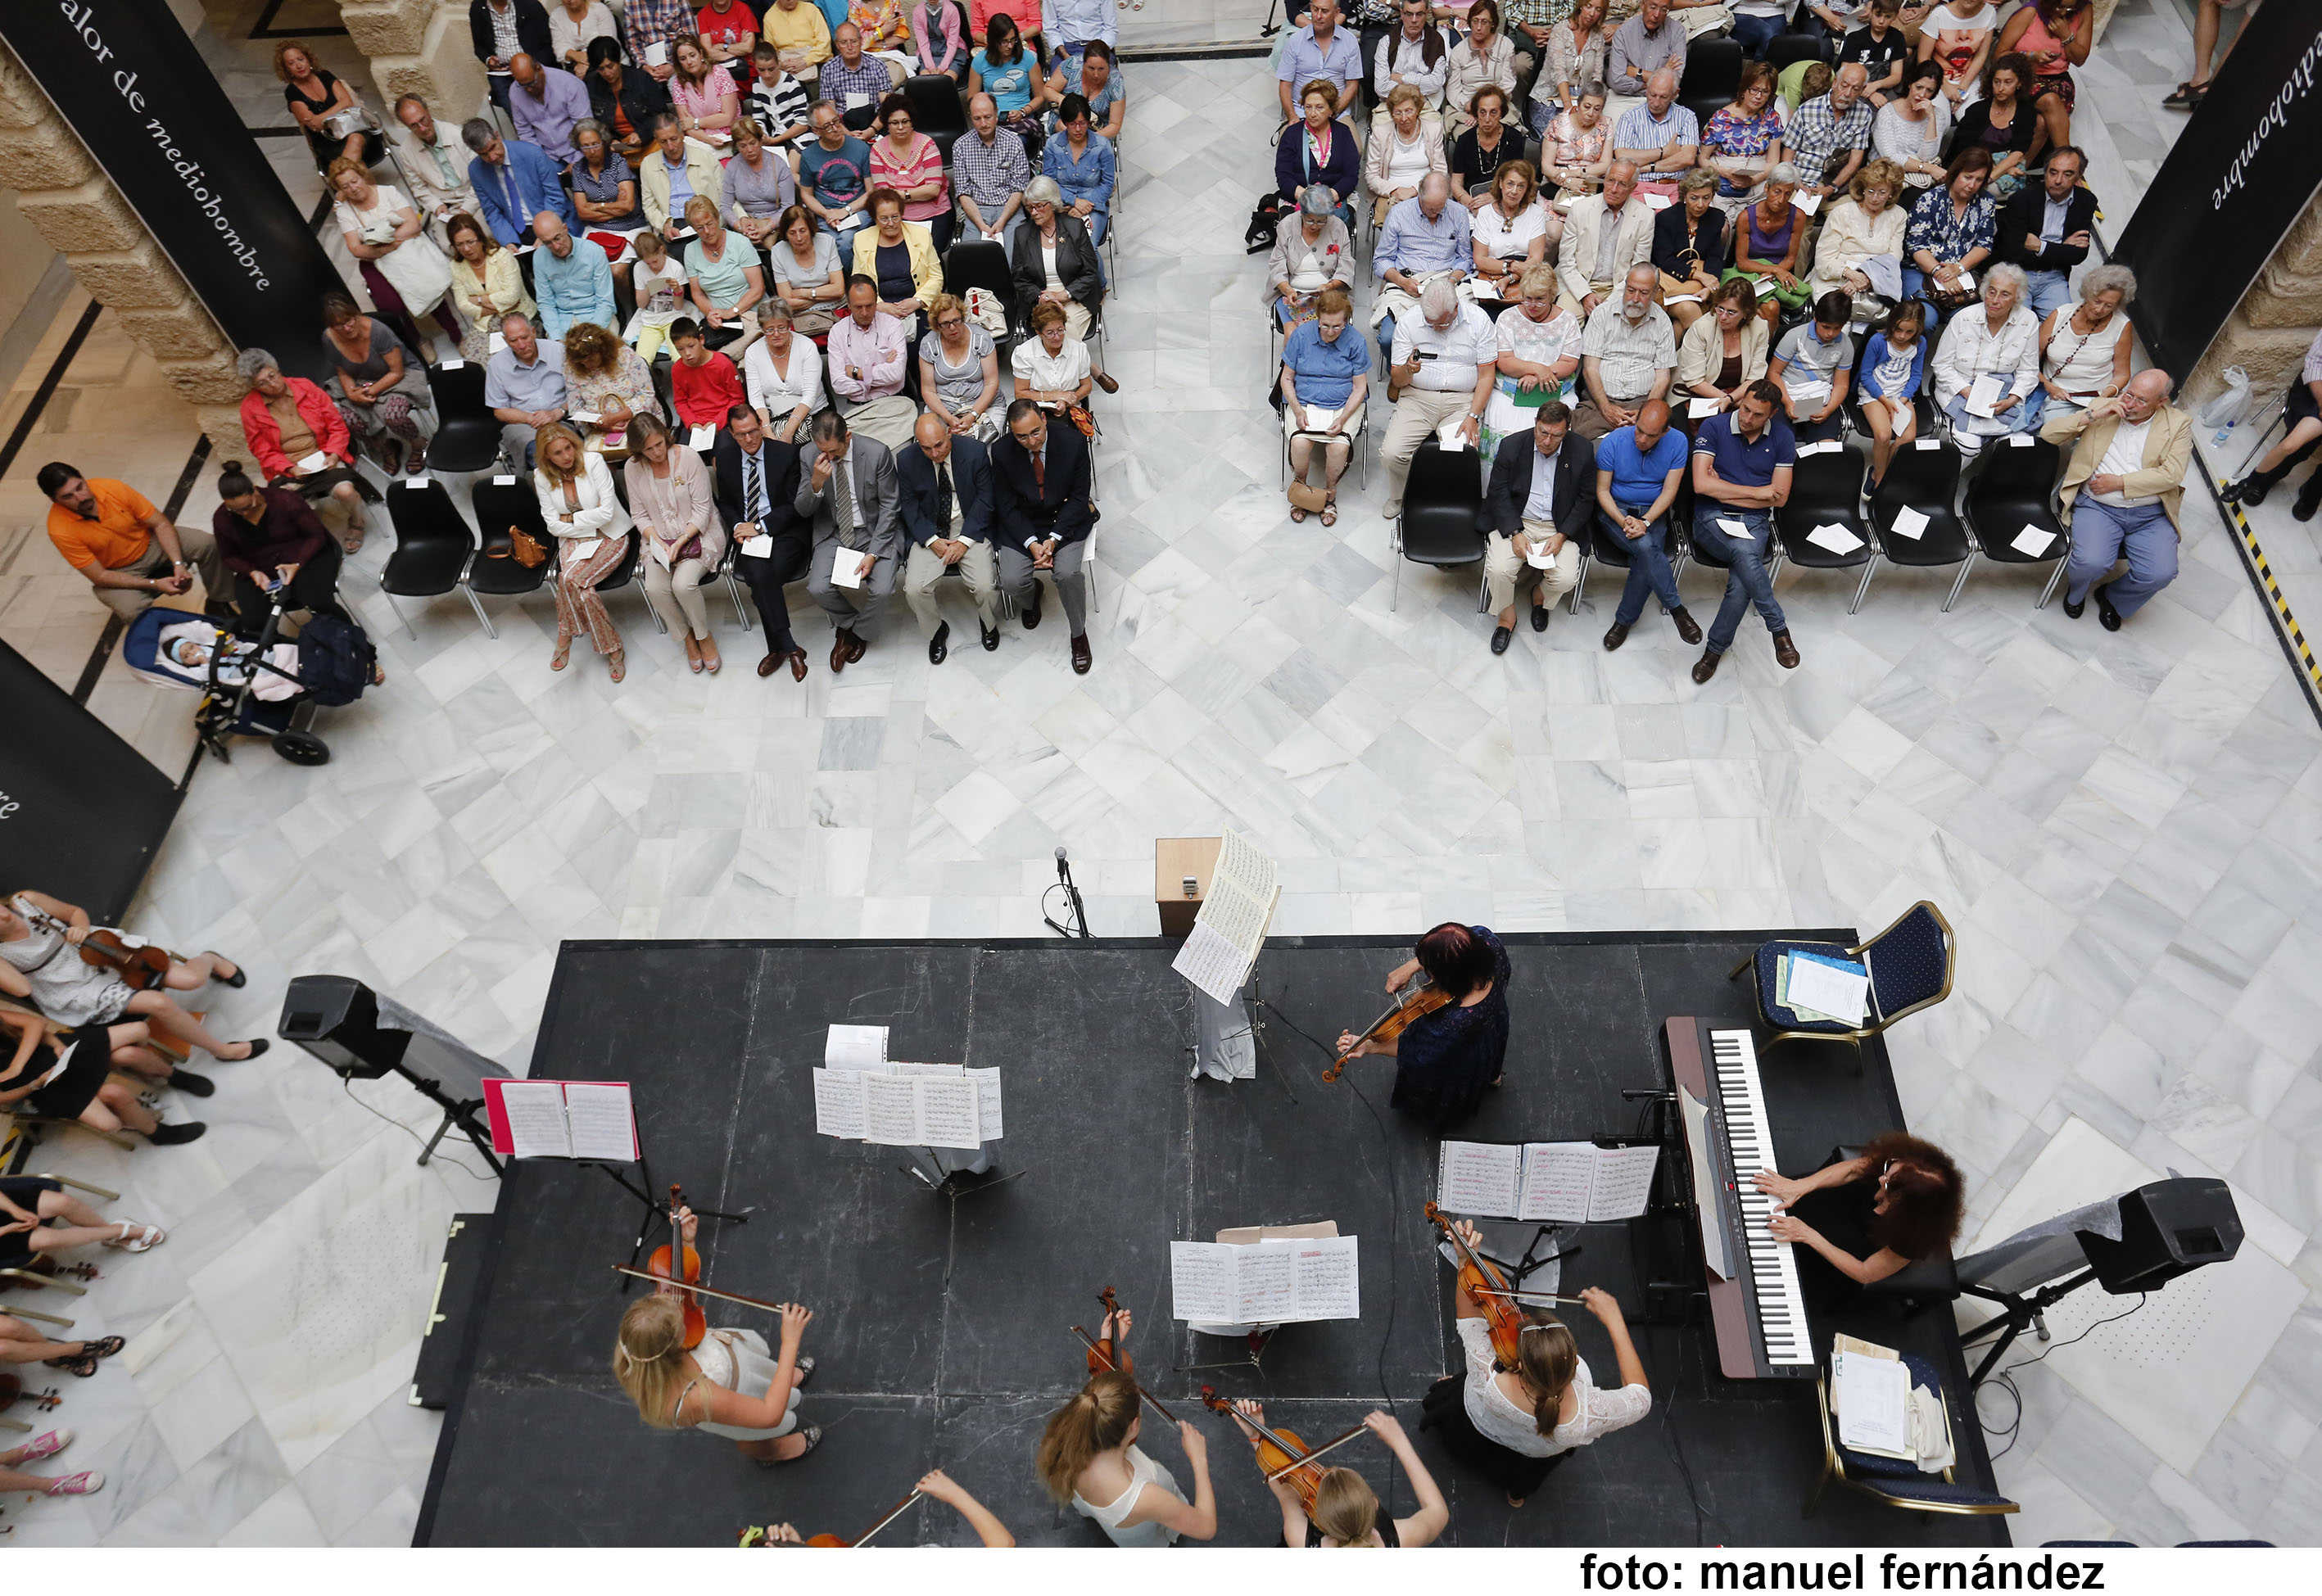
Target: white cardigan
{"type": "Point", "coordinates": [1971, 348]}
{"type": "Point", "coordinates": [600, 514]}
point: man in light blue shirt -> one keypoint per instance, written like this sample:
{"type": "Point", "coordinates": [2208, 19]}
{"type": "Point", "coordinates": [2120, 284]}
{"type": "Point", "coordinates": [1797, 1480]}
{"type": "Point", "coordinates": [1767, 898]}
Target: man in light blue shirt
{"type": "Point", "coordinates": [1068, 25]}
{"type": "Point", "coordinates": [1424, 235]}
{"type": "Point", "coordinates": [571, 278]}
{"type": "Point", "coordinates": [544, 103]}
{"type": "Point", "coordinates": [1318, 50]}
{"type": "Point", "coordinates": [1661, 136]}
{"type": "Point", "coordinates": [523, 384]}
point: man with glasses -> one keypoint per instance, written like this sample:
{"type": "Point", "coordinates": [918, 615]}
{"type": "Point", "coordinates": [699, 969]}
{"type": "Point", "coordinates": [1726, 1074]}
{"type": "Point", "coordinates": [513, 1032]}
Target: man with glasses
{"type": "Point", "coordinates": [850, 494]}
{"type": "Point", "coordinates": [756, 485]}
{"type": "Point", "coordinates": [946, 485]}
{"type": "Point", "coordinates": [1040, 482]}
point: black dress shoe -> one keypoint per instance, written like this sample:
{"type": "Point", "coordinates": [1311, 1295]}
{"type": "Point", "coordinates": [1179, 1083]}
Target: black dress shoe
{"type": "Point", "coordinates": [1687, 629]}
{"type": "Point", "coordinates": [2307, 503]}
{"type": "Point", "coordinates": [2106, 613]}
{"type": "Point", "coordinates": [1615, 636]}
{"type": "Point", "coordinates": [258, 1044]}
{"type": "Point", "coordinates": [238, 979]}
{"type": "Point", "coordinates": [1500, 638]}
{"type": "Point", "coordinates": [1705, 667]}
{"type": "Point", "coordinates": [940, 643]}
{"type": "Point", "coordinates": [2072, 612]}
{"type": "Point", "coordinates": [171, 1136]}
{"type": "Point", "coordinates": [2251, 489]}
{"type": "Point", "coordinates": [991, 637]}
{"type": "Point", "coordinates": [1786, 652]}
{"type": "Point", "coordinates": [1540, 618]}
{"type": "Point", "coordinates": [191, 1084]}
{"type": "Point", "coordinates": [1081, 656]}
{"type": "Point", "coordinates": [1032, 610]}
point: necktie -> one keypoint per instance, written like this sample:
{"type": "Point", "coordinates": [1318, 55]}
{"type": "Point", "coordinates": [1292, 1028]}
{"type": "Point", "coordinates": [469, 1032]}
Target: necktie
{"type": "Point", "coordinates": [750, 488]}
{"type": "Point", "coordinates": [943, 495]}
{"type": "Point", "coordinates": [514, 206]}
{"type": "Point", "coordinates": [1040, 470]}
{"type": "Point", "coordinates": [842, 505]}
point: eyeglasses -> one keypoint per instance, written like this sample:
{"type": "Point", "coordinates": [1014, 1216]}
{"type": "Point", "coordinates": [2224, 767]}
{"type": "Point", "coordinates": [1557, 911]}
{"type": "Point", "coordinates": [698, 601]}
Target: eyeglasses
{"type": "Point", "coordinates": [950, 322]}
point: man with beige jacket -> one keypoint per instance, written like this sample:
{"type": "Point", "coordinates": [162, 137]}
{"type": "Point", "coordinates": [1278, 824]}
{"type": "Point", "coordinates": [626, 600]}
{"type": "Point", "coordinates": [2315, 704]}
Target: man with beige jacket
{"type": "Point", "coordinates": [1605, 234]}
{"type": "Point", "coordinates": [2121, 495]}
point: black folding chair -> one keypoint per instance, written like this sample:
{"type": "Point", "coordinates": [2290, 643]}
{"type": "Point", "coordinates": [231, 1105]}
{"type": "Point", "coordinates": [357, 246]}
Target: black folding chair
{"type": "Point", "coordinates": [2016, 494]}
{"type": "Point", "coordinates": [502, 504]}
{"type": "Point", "coordinates": [1438, 524]}
{"type": "Point", "coordinates": [935, 109]}
{"type": "Point", "coordinates": [433, 546]}
{"type": "Point", "coordinates": [1713, 71]}
{"type": "Point", "coordinates": [1826, 491]}
{"type": "Point", "coordinates": [467, 434]}
{"type": "Point", "coordinates": [1786, 50]}
{"type": "Point", "coordinates": [1924, 479]}
{"type": "Point", "coordinates": [980, 263]}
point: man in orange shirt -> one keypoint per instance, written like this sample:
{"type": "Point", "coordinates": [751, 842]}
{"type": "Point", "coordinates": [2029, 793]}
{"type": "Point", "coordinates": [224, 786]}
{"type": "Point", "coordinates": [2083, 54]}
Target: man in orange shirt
{"type": "Point", "coordinates": [130, 551]}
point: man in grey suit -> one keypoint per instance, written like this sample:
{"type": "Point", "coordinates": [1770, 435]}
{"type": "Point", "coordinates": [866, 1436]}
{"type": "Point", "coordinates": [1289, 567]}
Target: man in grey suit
{"type": "Point", "coordinates": [851, 496]}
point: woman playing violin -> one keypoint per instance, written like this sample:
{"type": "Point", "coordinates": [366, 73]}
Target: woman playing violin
{"type": "Point", "coordinates": [726, 1386]}
{"type": "Point", "coordinates": [40, 939]}
{"type": "Point", "coordinates": [1517, 1424]}
{"type": "Point", "coordinates": [1089, 1457]}
{"type": "Point", "coordinates": [1346, 1511]}
{"type": "Point", "coordinates": [1445, 1060]}
{"type": "Point", "coordinates": [935, 1483]}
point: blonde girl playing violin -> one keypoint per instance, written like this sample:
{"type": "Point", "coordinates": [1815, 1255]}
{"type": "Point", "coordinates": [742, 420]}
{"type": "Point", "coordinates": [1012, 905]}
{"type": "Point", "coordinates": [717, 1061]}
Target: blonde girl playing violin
{"type": "Point", "coordinates": [1089, 1457]}
{"type": "Point", "coordinates": [727, 1386]}
{"type": "Point", "coordinates": [1347, 1510]}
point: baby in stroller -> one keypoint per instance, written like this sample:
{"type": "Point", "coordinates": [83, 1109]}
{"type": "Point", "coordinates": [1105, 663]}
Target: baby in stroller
{"type": "Point", "coordinates": [261, 688]}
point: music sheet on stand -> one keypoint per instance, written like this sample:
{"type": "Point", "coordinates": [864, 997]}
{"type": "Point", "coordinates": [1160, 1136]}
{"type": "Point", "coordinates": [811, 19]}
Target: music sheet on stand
{"type": "Point", "coordinates": [536, 1117]}
{"type": "Point", "coordinates": [602, 1121]}
{"type": "Point", "coordinates": [1230, 928]}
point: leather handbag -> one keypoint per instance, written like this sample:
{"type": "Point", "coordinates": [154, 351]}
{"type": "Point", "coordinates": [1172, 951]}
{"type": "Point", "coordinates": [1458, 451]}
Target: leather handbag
{"type": "Point", "coordinates": [523, 548]}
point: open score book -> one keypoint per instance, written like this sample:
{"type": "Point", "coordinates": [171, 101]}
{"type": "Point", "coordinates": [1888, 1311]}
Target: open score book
{"type": "Point", "coordinates": [1231, 927]}
{"type": "Point", "coordinates": [862, 1096]}
{"type": "Point", "coordinates": [1557, 1183]}
{"type": "Point", "coordinates": [593, 1119]}
{"type": "Point", "coordinates": [1265, 1282]}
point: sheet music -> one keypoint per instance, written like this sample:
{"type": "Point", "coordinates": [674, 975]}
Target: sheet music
{"type": "Point", "coordinates": [987, 1103]}
{"type": "Point", "coordinates": [1266, 1283]}
{"type": "Point", "coordinates": [1211, 963]}
{"type": "Point", "coordinates": [1244, 888]}
{"type": "Point", "coordinates": [1326, 1279]}
{"type": "Point", "coordinates": [890, 1110]}
{"type": "Point", "coordinates": [1623, 1183]}
{"type": "Point", "coordinates": [536, 1117]}
{"type": "Point", "coordinates": [838, 1104]}
{"type": "Point", "coordinates": [855, 1048]}
{"type": "Point", "coordinates": [1478, 1177]}
{"type": "Point", "coordinates": [1201, 1282]}
{"type": "Point", "coordinates": [1558, 1177]}
{"type": "Point", "coordinates": [1873, 1397]}
{"type": "Point", "coordinates": [947, 1112]}
{"type": "Point", "coordinates": [602, 1121]}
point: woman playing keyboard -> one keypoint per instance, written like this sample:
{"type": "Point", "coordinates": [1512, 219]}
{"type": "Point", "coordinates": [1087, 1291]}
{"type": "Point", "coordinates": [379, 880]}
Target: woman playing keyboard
{"type": "Point", "coordinates": [1867, 1217]}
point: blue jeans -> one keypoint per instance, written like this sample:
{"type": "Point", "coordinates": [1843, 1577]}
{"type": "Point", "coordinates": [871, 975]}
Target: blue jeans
{"type": "Point", "coordinates": [1753, 33]}
{"type": "Point", "coordinates": [1749, 582]}
{"type": "Point", "coordinates": [2047, 291]}
{"type": "Point", "coordinates": [1649, 565]}
{"type": "Point", "coordinates": [2101, 534]}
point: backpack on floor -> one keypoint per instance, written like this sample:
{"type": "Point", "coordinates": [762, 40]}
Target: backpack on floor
{"type": "Point", "coordinates": [1264, 221]}
{"type": "Point", "coordinates": [336, 660]}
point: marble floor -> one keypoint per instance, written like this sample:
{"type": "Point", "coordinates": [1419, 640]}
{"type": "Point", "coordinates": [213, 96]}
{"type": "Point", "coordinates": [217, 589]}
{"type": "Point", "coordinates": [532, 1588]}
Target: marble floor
{"type": "Point", "coordinates": [2126, 830]}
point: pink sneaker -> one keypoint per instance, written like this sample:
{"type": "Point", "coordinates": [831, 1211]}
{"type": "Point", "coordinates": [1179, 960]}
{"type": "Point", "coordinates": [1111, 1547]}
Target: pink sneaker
{"type": "Point", "coordinates": [85, 1483]}
{"type": "Point", "coordinates": [47, 1445]}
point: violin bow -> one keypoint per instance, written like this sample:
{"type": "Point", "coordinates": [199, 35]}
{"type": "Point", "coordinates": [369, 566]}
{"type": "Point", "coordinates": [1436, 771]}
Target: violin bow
{"type": "Point", "coordinates": [1094, 1347]}
{"type": "Point", "coordinates": [893, 1513]}
{"type": "Point", "coordinates": [1534, 1297]}
{"type": "Point", "coordinates": [662, 1280]}
{"type": "Point", "coordinates": [1332, 1444]}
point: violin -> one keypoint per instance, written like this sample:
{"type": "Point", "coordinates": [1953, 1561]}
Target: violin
{"type": "Point", "coordinates": [1421, 997]}
{"type": "Point", "coordinates": [1107, 1354]}
{"type": "Point", "coordinates": [663, 1266]}
{"type": "Point", "coordinates": [143, 968]}
{"type": "Point", "coordinates": [1101, 1361]}
{"type": "Point", "coordinates": [1488, 1284]}
{"type": "Point", "coordinates": [1280, 1455]}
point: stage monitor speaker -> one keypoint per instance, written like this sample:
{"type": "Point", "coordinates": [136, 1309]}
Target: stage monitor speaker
{"type": "Point", "coordinates": [336, 1018]}
{"type": "Point", "coordinates": [2167, 1228]}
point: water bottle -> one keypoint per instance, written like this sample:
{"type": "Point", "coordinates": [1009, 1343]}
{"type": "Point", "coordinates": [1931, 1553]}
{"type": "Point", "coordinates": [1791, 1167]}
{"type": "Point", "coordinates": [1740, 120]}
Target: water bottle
{"type": "Point", "coordinates": [2224, 433]}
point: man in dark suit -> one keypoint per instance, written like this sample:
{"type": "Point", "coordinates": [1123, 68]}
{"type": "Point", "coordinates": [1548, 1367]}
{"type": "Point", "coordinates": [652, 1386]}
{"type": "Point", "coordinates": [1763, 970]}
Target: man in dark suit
{"type": "Point", "coordinates": [1531, 517]}
{"type": "Point", "coordinates": [1040, 485]}
{"type": "Point", "coordinates": [2046, 228]}
{"type": "Point", "coordinates": [756, 480]}
{"type": "Point", "coordinates": [502, 29]}
{"type": "Point", "coordinates": [947, 484]}
{"type": "Point", "coordinates": [846, 488]}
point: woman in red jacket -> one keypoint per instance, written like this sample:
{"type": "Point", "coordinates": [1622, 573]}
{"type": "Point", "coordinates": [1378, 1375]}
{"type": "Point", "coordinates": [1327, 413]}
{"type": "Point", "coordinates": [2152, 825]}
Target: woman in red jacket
{"type": "Point", "coordinates": [288, 421]}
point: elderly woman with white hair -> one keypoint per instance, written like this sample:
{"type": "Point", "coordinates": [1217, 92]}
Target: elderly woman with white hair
{"type": "Point", "coordinates": [2001, 343]}
{"type": "Point", "coordinates": [2084, 350]}
{"type": "Point", "coordinates": [1052, 256]}
{"type": "Point", "coordinates": [298, 438]}
{"type": "Point", "coordinates": [1311, 253]}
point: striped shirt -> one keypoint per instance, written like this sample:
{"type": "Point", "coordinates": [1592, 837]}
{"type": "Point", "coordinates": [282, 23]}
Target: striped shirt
{"type": "Point", "coordinates": [990, 173]}
{"type": "Point", "coordinates": [778, 106]}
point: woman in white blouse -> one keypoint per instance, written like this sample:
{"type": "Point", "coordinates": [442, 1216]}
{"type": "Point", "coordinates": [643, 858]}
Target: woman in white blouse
{"type": "Point", "coordinates": [573, 24]}
{"type": "Point", "coordinates": [2084, 348]}
{"type": "Point", "coordinates": [2003, 342]}
{"type": "Point", "coordinates": [1519, 1424]}
{"type": "Point", "coordinates": [1406, 145]}
{"type": "Point", "coordinates": [1910, 129]}
{"type": "Point", "coordinates": [385, 233]}
{"type": "Point", "coordinates": [783, 373]}
{"type": "Point", "coordinates": [1051, 370]}
{"type": "Point", "coordinates": [684, 542]}
{"type": "Point", "coordinates": [1865, 223]}
{"type": "Point", "coordinates": [1514, 230]}
{"type": "Point", "coordinates": [591, 529]}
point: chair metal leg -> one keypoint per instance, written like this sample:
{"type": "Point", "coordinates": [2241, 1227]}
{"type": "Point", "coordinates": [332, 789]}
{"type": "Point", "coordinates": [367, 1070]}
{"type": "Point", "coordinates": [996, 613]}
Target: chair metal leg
{"type": "Point", "coordinates": [2054, 577]}
{"type": "Point", "coordinates": [413, 635]}
{"type": "Point", "coordinates": [46, 1319]}
{"type": "Point", "coordinates": [1814, 1492]}
{"type": "Point", "coordinates": [1483, 593]}
{"type": "Point", "coordinates": [477, 604]}
{"type": "Point", "coordinates": [98, 1192]}
{"type": "Point", "coordinates": [1870, 570]}
{"type": "Point", "coordinates": [1395, 588]}
{"type": "Point", "coordinates": [734, 591]}
{"type": "Point", "coordinates": [1966, 566]}
{"type": "Point", "coordinates": [1580, 583]}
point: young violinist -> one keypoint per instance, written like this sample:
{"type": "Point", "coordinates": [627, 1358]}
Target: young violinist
{"type": "Point", "coordinates": [935, 1483]}
{"type": "Point", "coordinates": [1445, 1060]}
{"type": "Point", "coordinates": [1517, 1424]}
{"type": "Point", "coordinates": [1347, 1510]}
{"type": "Point", "coordinates": [728, 1386]}
{"type": "Point", "coordinates": [1859, 1219]}
{"type": "Point", "coordinates": [1089, 1457]}
{"type": "Point", "coordinates": [40, 939]}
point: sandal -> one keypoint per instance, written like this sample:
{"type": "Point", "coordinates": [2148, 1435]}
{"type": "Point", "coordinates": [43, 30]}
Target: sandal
{"type": "Point", "coordinates": [563, 654]}
{"type": "Point", "coordinates": [1331, 512]}
{"type": "Point", "coordinates": [353, 541]}
{"type": "Point", "coordinates": [1297, 515]}
{"type": "Point", "coordinates": [693, 654]}
{"type": "Point", "coordinates": [812, 1434]}
{"type": "Point", "coordinates": [2185, 96]}
{"type": "Point", "coordinates": [710, 658]}
{"type": "Point", "coordinates": [621, 664]}
{"type": "Point", "coordinates": [137, 1238]}
{"type": "Point", "coordinates": [80, 1365]}
{"type": "Point", "coordinates": [801, 1371]}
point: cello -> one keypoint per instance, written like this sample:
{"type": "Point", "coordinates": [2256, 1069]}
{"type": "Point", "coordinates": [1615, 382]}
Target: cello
{"type": "Point", "coordinates": [1421, 997]}
{"type": "Point", "coordinates": [1488, 1284]}
{"type": "Point", "coordinates": [664, 1267]}
{"type": "Point", "coordinates": [1281, 1457]}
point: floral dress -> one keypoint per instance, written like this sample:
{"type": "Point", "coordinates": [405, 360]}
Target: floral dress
{"type": "Point", "coordinates": [1731, 136]}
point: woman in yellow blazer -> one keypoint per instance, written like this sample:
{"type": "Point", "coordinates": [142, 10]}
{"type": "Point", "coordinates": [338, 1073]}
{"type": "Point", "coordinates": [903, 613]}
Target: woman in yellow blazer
{"type": "Point", "coordinates": [888, 233]}
{"type": "Point", "coordinates": [703, 175]}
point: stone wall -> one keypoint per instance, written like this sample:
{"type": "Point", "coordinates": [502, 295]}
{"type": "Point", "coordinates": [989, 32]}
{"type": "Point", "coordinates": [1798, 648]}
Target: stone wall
{"type": "Point", "coordinates": [2271, 330]}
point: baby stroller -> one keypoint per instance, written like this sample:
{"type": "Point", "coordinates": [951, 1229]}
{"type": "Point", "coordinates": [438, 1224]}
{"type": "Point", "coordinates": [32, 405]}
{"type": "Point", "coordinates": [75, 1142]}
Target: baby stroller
{"type": "Point", "coordinates": [254, 688]}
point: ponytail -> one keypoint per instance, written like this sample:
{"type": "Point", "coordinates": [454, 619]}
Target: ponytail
{"type": "Point", "coordinates": [1096, 1420]}
{"type": "Point", "coordinates": [649, 1357]}
{"type": "Point", "coordinates": [1547, 1356]}
{"type": "Point", "coordinates": [1346, 1508]}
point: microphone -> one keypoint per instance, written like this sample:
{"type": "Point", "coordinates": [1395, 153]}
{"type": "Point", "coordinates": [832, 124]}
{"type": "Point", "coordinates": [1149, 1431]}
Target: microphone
{"type": "Point", "coordinates": [1063, 873]}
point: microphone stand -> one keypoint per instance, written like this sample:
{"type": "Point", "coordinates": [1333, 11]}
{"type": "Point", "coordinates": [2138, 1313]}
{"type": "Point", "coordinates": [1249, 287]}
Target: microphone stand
{"type": "Point", "coordinates": [1078, 910]}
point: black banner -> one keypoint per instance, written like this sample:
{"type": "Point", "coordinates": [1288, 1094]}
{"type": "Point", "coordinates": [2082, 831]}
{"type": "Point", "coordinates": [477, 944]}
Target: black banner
{"type": "Point", "coordinates": [125, 77]}
{"type": "Point", "coordinates": [81, 812]}
{"type": "Point", "coordinates": [2240, 172]}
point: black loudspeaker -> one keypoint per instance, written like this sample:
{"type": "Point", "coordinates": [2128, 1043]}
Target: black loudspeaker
{"type": "Point", "coordinates": [336, 1018]}
{"type": "Point", "coordinates": [2168, 1229]}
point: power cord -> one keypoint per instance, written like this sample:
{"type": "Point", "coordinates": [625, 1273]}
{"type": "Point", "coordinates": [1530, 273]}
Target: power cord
{"type": "Point", "coordinates": [2006, 1378]}
{"type": "Point", "coordinates": [348, 1086]}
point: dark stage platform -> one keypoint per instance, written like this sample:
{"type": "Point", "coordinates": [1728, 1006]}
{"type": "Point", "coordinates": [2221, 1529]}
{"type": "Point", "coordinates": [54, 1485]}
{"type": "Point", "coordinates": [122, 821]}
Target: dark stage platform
{"type": "Point", "coordinates": [942, 1328]}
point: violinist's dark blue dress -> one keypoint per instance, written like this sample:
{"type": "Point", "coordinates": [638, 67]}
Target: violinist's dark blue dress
{"type": "Point", "coordinates": [1446, 1060]}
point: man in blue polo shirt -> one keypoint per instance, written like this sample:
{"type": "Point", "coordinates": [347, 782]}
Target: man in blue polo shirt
{"type": "Point", "coordinates": [1638, 468]}
{"type": "Point", "coordinates": [1319, 49]}
{"type": "Point", "coordinates": [1741, 463]}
